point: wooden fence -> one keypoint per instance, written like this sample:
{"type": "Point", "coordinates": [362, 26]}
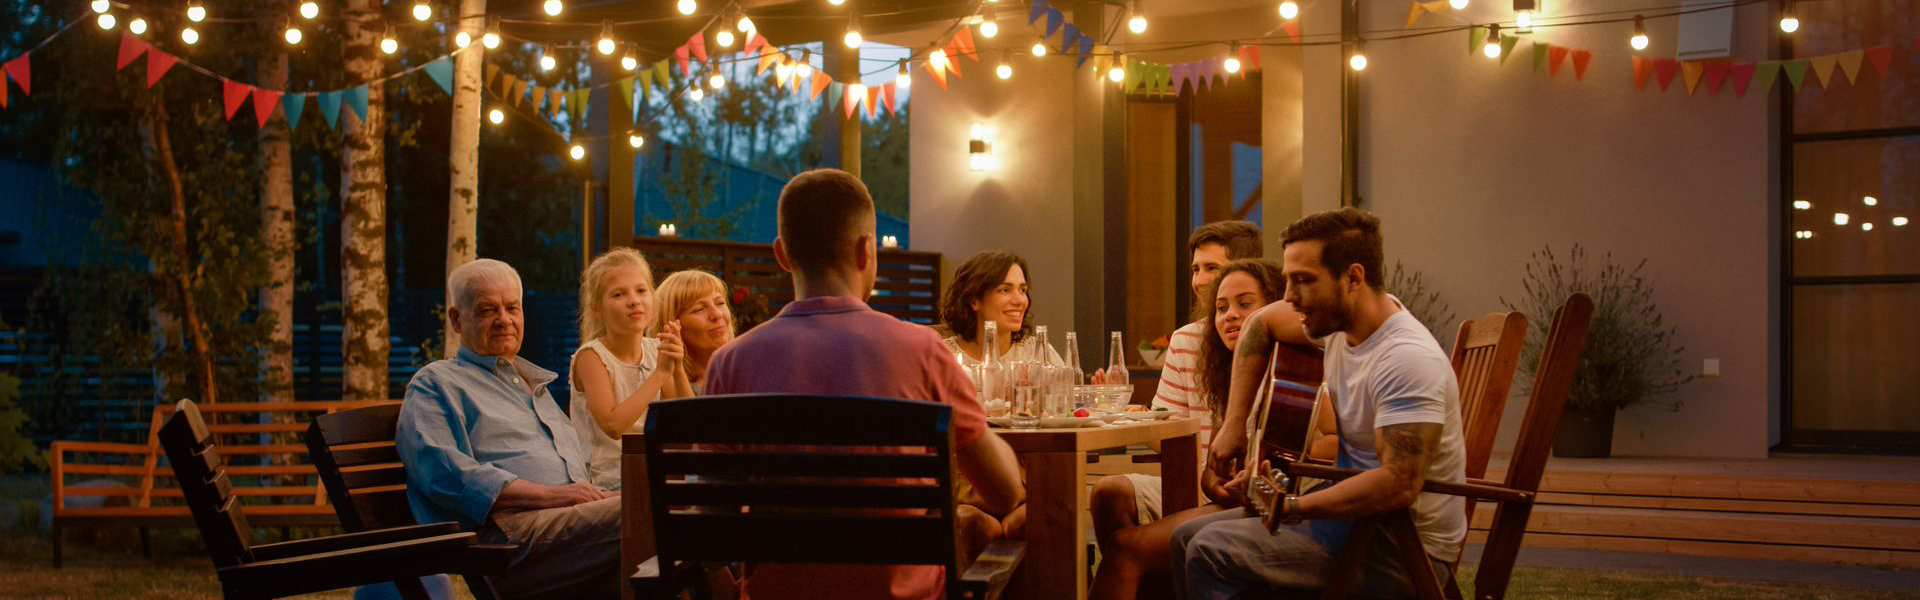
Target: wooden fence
{"type": "Point", "coordinates": [908, 285]}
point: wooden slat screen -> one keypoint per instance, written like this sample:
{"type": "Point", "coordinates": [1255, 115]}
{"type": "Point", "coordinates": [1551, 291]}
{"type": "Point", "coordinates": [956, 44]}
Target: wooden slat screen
{"type": "Point", "coordinates": [908, 286]}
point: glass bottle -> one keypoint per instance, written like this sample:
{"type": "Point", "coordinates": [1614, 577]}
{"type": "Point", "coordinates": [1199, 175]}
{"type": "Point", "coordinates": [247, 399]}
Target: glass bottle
{"type": "Point", "coordinates": [1076, 376]}
{"type": "Point", "coordinates": [1024, 374]}
{"type": "Point", "coordinates": [1055, 395]}
{"type": "Point", "coordinates": [1114, 400]}
{"type": "Point", "coordinates": [992, 392]}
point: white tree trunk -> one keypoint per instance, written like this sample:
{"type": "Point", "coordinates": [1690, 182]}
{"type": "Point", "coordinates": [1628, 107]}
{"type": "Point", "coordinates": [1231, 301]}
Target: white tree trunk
{"type": "Point", "coordinates": [363, 249]}
{"type": "Point", "coordinates": [463, 203]}
{"type": "Point", "coordinates": [276, 219]}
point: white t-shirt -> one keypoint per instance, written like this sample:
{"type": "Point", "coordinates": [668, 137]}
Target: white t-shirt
{"type": "Point", "coordinates": [603, 458]}
{"type": "Point", "coordinates": [1180, 378]}
{"type": "Point", "coordinates": [1399, 375]}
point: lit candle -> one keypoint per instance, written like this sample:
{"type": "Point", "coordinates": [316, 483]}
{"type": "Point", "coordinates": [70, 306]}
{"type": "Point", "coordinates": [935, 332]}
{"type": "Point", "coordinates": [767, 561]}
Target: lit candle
{"type": "Point", "coordinates": [667, 230]}
{"type": "Point", "coordinates": [888, 241]}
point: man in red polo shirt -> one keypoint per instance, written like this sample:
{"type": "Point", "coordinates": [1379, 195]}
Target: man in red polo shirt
{"type": "Point", "coordinates": [828, 341]}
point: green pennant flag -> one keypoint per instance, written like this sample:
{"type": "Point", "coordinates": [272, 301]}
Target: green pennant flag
{"type": "Point", "coordinates": [1765, 72]}
{"type": "Point", "coordinates": [626, 91]}
{"type": "Point", "coordinates": [1133, 76]}
{"type": "Point", "coordinates": [1539, 56]}
{"type": "Point", "coordinates": [1475, 36]}
{"type": "Point", "coordinates": [661, 72]}
{"type": "Point", "coordinates": [1796, 71]}
{"type": "Point", "coordinates": [1507, 43]}
{"type": "Point", "coordinates": [577, 104]}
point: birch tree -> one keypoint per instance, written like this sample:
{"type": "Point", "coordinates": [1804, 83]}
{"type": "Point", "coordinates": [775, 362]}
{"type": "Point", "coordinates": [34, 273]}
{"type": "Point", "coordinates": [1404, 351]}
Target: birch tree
{"type": "Point", "coordinates": [363, 252]}
{"type": "Point", "coordinates": [276, 222]}
{"type": "Point", "coordinates": [463, 201]}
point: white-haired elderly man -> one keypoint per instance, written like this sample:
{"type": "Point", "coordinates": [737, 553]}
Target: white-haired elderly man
{"type": "Point", "coordinates": [486, 446]}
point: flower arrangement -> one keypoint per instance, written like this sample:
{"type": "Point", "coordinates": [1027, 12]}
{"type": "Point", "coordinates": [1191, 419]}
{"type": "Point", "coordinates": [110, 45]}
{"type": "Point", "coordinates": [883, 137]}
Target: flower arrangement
{"type": "Point", "coordinates": [749, 308]}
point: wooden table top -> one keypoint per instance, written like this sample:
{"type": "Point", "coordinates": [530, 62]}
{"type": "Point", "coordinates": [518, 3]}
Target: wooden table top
{"type": "Point", "coordinates": [1082, 439]}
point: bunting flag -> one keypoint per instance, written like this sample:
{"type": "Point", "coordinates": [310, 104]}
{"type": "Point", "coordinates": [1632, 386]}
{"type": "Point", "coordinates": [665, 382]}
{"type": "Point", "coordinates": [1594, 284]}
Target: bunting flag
{"type": "Point", "coordinates": [680, 54]}
{"type": "Point", "coordinates": [625, 87]}
{"type": "Point", "coordinates": [264, 101]}
{"type": "Point", "coordinates": [662, 74]}
{"type": "Point", "coordinates": [1690, 72]}
{"type": "Point", "coordinates": [356, 97]}
{"type": "Point", "coordinates": [1880, 56]}
{"type": "Point", "coordinates": [441, 70]}
{"type": "Point", "coordinates": [1555, 56]}
{"type": "Point", "coordinates": [964, 40]}
{"type": "Point", "coordinates": [886, 95]}
{"type": "Point", "coordinates": [1766, 72]}
{"type": "Point", "coordinates": [1716, 75]}
{"type": "Point", "coordinates": [1796, 71]}
{"type": "Point", "coordinates": [1251, 54]}
{"type": "Point", "coordinates": [1540, 52]}
{"type": "Point", "coordinates": [1040, 8]}
{"type": "Point", "coordinates": [488, 72]}
{"type": "Point", "coordinates": [1069, 39]}
{"type": "Point", "coordinates": [131, 46]}
{"type": "Point", "coordinates": [767, 59]}
{"type": "Point", "coordinates": [1665, 68]}
{"type": "Point", "coordinates": [1293, 30]}
{"type": "Point", "coordinates": [1580, 59]}
{"type": "Point", "coordinates": [820, 81]}
{"type": "Point", "coordinates": [540, 97]}
{"type": "Point", "coordinates": [21, 70]}
{"type": "Point", "coordinates": [577, 104]}
{"type": "Point", "coordinates": [292, 105]}
{"type": "Point", "coordinates": [1642, 67]}
{"type": "Point", "coordinates": [1413, 13]}
{"type": "Point", "coordinates": [793, 84]}
{"type": "Point", "coordinates": [698, 45]}
{"type": "Point", "coordinates": [754, 42]}
{"type": "Point", "coordinates": [873, 101]}
{"type": "Point", "coordinates": [938, 70]}
{"type": "Point", "coordinates": [1850, 64]}
{"type": "Point", "coordinates": [1476, 37]}
{"type": "Point", "coordinates": [1054, 18]}
{"type": "Point", "coordinates": [1506, 47]}
{"type": "Point", "coordinates": [512, 86]}
{"type": "Point", "coordinates": [330, 107]}
{"type": "Point", "coordinates": [1822, 69]}
{"type": "Point", "coordinates": [850, 99]}
{"type": "Point", "coordinates": [1742, 74]}
{"type": "Point", "coordinates": [234, 92]}
{"type": "Point", "coordinates": [158, 63]}
{"type": "Point", "coordinates": [553, 107]}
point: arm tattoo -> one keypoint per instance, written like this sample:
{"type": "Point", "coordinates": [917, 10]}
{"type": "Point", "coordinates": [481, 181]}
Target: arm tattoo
{"type": "Point", "coordinates": [1407, 447]}
{"type": "Point", "coordinates": [1254, 338]}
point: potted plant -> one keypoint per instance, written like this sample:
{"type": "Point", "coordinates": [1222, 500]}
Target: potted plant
{"type": "Point", "coordinates": [1630, 357]}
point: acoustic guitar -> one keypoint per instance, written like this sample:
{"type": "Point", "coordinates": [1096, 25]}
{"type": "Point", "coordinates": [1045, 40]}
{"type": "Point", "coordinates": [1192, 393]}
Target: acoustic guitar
{"type": "Point", "coordinates": [1281, 424]}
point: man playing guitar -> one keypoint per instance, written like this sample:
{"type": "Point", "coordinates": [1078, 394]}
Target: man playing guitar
{"type": "Point", "coordinates": [1398, 409]}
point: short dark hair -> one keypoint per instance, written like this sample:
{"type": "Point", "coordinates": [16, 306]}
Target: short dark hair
{"type": "Point", "coordinates": [1240, 238]}
{"type": "Point", "coordinates": [1352, 237]}
{"type": "Point", "coordinates": [972, 281]}
{"type": "Point", "coordinates": [820, 212]}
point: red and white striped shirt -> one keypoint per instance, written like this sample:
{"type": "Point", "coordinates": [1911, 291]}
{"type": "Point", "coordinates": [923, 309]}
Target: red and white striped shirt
{"type": "Point", "coordinates": [1180, 377]}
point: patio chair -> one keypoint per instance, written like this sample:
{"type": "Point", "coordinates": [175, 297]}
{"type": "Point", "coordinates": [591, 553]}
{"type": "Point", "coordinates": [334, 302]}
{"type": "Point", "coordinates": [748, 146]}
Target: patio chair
{"type": "Point", "coordinates": [835, 501]}
{"type": "Point", "coordinates": [248, 570]}
{"type": "Point", "coordinates": [1514, 498]}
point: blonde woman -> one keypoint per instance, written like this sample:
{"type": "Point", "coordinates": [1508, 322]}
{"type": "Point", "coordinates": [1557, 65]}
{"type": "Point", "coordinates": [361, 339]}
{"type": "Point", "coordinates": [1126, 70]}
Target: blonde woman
{"type": "Point", "coordinates": [696, 302]}
{"type": "Point", "coordinates": [618, 370]}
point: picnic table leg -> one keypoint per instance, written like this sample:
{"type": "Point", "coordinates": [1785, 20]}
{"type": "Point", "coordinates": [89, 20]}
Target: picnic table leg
{"type": "Point", "coordinates": [1180, 473]}
{"type": "Point", "coordinates": [1056, 564]}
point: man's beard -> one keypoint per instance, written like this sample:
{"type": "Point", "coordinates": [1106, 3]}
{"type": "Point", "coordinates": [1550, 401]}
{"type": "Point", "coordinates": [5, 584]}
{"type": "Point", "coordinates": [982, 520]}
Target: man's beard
{"type": "Point", "coordinates": [1323, 322]}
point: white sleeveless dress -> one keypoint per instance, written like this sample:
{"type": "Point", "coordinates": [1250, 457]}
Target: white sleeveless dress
{"type": "Point", "coordinates": [603, 460]}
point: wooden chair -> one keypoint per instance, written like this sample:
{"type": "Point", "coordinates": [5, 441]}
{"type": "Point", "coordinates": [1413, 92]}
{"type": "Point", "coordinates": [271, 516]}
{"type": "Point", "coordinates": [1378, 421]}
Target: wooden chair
{"type": "Point", "coordinates": [837, 501]}
{"type": "Point", "coordinates": [311, 565]}
{"type": "Point", "coordinates": [1481, 409]}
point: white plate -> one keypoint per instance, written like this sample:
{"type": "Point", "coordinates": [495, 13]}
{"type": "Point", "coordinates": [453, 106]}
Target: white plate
{"type": "Point", "coordinates": [1000, 421]}
{"type": "Point", "coordinates": [1148, 415]}
{"type": "Point", "coordinates": [1062, 422]}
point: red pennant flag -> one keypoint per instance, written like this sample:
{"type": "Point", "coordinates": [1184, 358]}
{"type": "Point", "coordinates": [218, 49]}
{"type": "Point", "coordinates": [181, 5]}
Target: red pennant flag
{"type": "Point", "coordinates": [1293, 30]}
{"type": "Point", "coordinates": [754, 42]}
{"type": "Point", "coordinates": [3, 94]}
{"type": "Point", "coordinates": [1251, 54]}
{"type": "Point", "coordinates": [698, 43]}
{"type": "Point", "coordinates": [235, 93]}
{"type": "Point", "coordinates": [1642, 67]}
{"type": "Point", "coordinates": [1666, 68]}
{"type": "Point", "coordinates": [964, 41]}
{"type": "Point", "coordinates": [953, 59]}
{"type": "Point", "coordinates": [1555, 56]}
{"type": "Point", "coordinates": [1716, 75]}
{"type": "Point", "coordinates": [680, 54]}
{"type": "Point", "coordinates": [1741, 73]}
{"type": "Point", "coordinates": [22, 72]}
{"type": "Point", "coordinates": [886, 95]}
{"type": "Point", "coordinates": [264, 101]}
{"type": "Point", "coordinates": [820, 82]}
{"type": "Point", "coordinates": [1580, 58]}
{"type": "Point", "coordinates": [130, 48]}
{"type": "Point", "coordinates": [1881, 56]}
{"type": "Point", "coordinates": [939, 75]}
{"type": "Point", "coordinates": [158, 62]}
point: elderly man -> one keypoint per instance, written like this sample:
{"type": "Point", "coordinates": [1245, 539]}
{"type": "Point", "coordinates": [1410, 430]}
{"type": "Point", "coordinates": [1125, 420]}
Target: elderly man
{"type": "Point", "coordinates": [486, 446]}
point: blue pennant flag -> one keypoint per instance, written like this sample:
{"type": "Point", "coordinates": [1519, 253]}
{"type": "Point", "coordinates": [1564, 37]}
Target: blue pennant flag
{"type": "Point", "coordinates": [1068, 38]}
{"type": "Point", "coordinates": [1053, 21]}
{"type": "Point", "coordinates": [1038, 9]}
{"type": "Point", "coordinates": [357, 100]}
{"type": "Point", "coordinates": [330, 107]}
{"type": "Point", "coordinates": [1086, 49]}
{"type": "Point", "coordinates": [441, 70]}
{"type": "Point", "coordinates": [293, 104]}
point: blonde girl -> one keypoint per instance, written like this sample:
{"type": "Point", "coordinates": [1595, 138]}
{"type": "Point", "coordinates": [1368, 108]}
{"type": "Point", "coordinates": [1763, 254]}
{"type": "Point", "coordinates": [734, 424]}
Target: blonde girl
{"type": "Point", "coordinates": [695, 302]}
{"type": "Point", "coordinates": [618, 369]}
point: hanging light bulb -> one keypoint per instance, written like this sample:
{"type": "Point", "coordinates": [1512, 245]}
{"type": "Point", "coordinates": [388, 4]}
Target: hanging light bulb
{"type": "Point", "coordinates": [989, 27]}
{"type": "Point", "coordinates": [1789, 19]}
{"type": "Point", "coordinates": [937, 58]}
{"type": "Point", "coordinates": [309, 9]}
{"type": "Point", "coordinates": [634, 140]}
{"type": "Point", "coordinates": [687, 6]}
{"type": "Point", "coordinates": [422, 11]}
{"type": "Point", "coordinates": [1136, 21]}
{"type": "Point", "coordinates": [836, 2]}
{"type": "Point", "coordinates": [745, 25]}
{"type": "Point", "coordinates": [1457, 4]}
{"type": "Point", "coordinates": [491, 39]}
{"type": "Point", "coordinates": [1870, 201]}
{"type": "Point", "coordinates": [1358, 61]}
{"type": "Point", "coordinates": [783, 70]}
{"type": "Point", "coordinates": [628, 61]}
{"type": "Point", "coordinates": [547, 62]}
{"type": "Point", "coordinates": [106, 21]}
{"type": "Point", "coordinates": [462, 39]}
{"type": "Point", "coordinates": [1118, 72]}
{"type": "Point", "coordinates": [1289, 9]}
{"type": "Point", "coordinates": [1039, 48]}
{"type": "Point", "coordinates": [196, 12]}
{"type": "Point", "coordinates": [696, 94]}
{"type": "Point", "coordinates": [904, 79]}
{"type": "Point", "coordinates": [390, 45]}
{"type": "Point", "coordinates": [1492, 47]}
{"type": "Point", "coordinates": [1523, 13]}
{"type": "Point", "coordinates": [101, 6]}
{"type": "Point", "coordinates": [1005, 70]}
{"type": "Point", "coordinates": [494, 116]}
{"type": "Point", "coordinates": [716, 81]}
{"type": "Point", "coordinates": [606, 44]}
{"type": "Point", "coordinates": [138, 26]}
{"type": "Point", "coordinates": [1899, 221]}
{"type": "Point", "coordinates": [189, 36]}
{"type": "Point", "coordinates": [553, 8]}
{"type": "Point", "coordinates": [805, 69]}
{"type": "Point", "coordinates": [853, 38]}
{"type": "Point", "coordinates": [293, 35]}
{"type": "Point", "coordinates": [577, 151]}
{"type": "Point", "coordinates": [1639, 39]}
{"type": "Point", "coordinates": [1232, 64]}
{"type": "Point", "coordinates": [1841, 218]}
{"type": "Point", "coordinates": [724, 38]}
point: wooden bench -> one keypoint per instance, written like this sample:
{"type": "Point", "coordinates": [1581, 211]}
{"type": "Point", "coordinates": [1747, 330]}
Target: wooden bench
{"type": "Point", "coordinates": [272, 475]}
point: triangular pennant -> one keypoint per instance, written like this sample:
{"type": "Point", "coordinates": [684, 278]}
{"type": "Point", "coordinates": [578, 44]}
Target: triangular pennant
{"type": "Point", "coordinates": [330, 107]}
{"type": "Point", "coordinates": [1665, 68]}
{"type": "Point", "coordinates": [1765, 73]}
{"type": "Point", "coordinates": [1251, 55]}
{"type": "Point", "coordinates": [680, 56]}
{"type": "Point", "coordinates": [1131, 80]}
{"type": "Point", "coordinates": [540, 97]}
{"type": "Point", "coordinates": [1506, 47]}
{"type": "Point", "coordinates": [1413, 13]}
{"type": "Point", "coordinates": [1850, 64]}
{"type": "Point", "coordinates": [625, 86]}
{"type": "Point", "coordinates": [767, 60]}
{"type": "Point", "coordinates": [264, 101]}
{"type": "Point", "coordinates": [131, 46]}
{"type": "Point", "coordinates": [793, 83]}
{"type": "Point", "coordinates": [1880, 56]}
{"type": "Point", "coordinates": [834, 91]}
{"type": "Point", "coordinates": [820, 81]}
{"type": "Point", "coordinates": [1742, 74]}
{"type": "Point", "coordinates": [292, 105]}
{"type": "Point", "coordinates": [1054, 18]}
{"type": "Point", "coordinates": [886, 95]}
{"type": "Point", "coordinates": [1642, 67]}
{"type": "Point", "coordinates": [1796, 71]}
{"type": "Point", "coordinates": [1580, 59]}
{"type": "Point", "coordinates": [939, 73]}
{"type": "Point", "coordinates": [698, 45]}
{"type": "Point", "coordinates": [1716, 75]}
{"type": "Point", "coordinates": [3, 92]}
{"type": "Point", "coordinates": [516, 89]}
{"type": "Point", "coordinates": [21, 69]}
{"type": "Point", "coordinates": [577, 104]}
{"type": "Point", "coordinates": [1540, 52]}
{"type": "Point", "coordinates": [1292, 27]}
{"type": "Point", "coordinates": [553, 104]}
{"type": "Point", "coordinates": [1086, 45]}
{"type": "Point", "coordinates": [1036, 10]}
{"type": "Point", "coordinates": [158, 63]}
{"type": "Point", "coordinates": [646, 76]}
{"type": "Point", "coordinates": [1069, 39]}
{"type": "Point", "coordinates": [1555, 56]}
{"type": "Point", "coordinates": [489, 72]}
{"type": "Point", "coordinates": [873, 101]}
{"type": "Point", "coordinates": [1178, 72]}
{"type": "Point", "coordinates": [953, 60]}
{"type": "Point", "coordinates": [1690, 73]}
{"type": "Point", "coordinates": [441, 70]}
{"type": "Point", "coordinates": [850, 99]}
{"type": "Point", "coordinates": [234, 92]}
{"type": "Point", "coordinates": [1476, 37]}
{"type": "Point", "coordinates": [1822, 69]}
{"type": "Point", "coordinates": [663, 74]}
{"type": "Point", "coordinates": [356, 98]}
{"type": "Point", "coordinates": [964, 40]}
{"type": "Point", "coordinates": [754, 42]}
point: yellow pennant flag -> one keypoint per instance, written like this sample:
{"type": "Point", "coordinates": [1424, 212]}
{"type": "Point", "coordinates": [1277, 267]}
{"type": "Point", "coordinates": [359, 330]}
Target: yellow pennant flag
{"type": "Point", "coordinates": [1691, 71]}
{"type": "Point", "coordinates": [1850, 63]}
{"type": "Point", "coordinates": [1413, 13]}
{"type": "Point", "coordinates": [767, 59]}
{"type": "Point", "coordinates": [1823, 67]}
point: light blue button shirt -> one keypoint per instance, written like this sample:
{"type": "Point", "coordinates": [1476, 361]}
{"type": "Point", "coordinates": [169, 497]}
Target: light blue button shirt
{"type": "Point", "coordinates": [469, 426]}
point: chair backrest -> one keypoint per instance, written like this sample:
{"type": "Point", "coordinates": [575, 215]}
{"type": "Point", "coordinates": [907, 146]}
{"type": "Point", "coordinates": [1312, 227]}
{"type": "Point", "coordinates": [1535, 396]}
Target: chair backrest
{"type": "Point", "coordinates": [354, 453]}
{"type": "Point", "coordinates": [1551, 383]}
{"type": "Point", "coordinates": [1485, 355]}
{"type": "Point", "coordinates": [829, 479]}
{"type": "Point", "coordinates": [203, 480]}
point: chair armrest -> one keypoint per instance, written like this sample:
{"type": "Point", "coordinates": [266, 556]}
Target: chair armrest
{"type": "Point", "coordinates": [991, 570]}
{"type": "Point", "coordinates": [347, 541]}
{"type": "Point", "coordinates": [1478, 489]}
{"type": "Point", "coordinates": [365, 564]}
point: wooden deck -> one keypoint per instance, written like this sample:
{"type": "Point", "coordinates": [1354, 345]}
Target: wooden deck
{"type": "Point", "coordinates": [1843, 509]}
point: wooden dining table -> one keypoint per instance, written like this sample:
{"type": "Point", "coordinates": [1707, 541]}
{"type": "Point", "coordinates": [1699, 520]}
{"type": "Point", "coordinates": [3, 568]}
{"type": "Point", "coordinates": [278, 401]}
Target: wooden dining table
{"type": "Point", "coordinates": [1055, 566]}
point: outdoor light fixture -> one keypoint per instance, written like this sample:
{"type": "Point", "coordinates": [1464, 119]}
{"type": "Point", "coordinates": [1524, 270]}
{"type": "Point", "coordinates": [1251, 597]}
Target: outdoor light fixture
{"type": "Point", "coordinates": [668, 230]}
{"type": "Point", "coordinates": [1803, 234]}
{"type": "Point", "coordinates": [889, 241]}
{"type": "Point", "coordinates": [745, 25]}
{"type": "Point", "coordinates": [937, 59]}
{"type": "Point", "coordinates": [1789, 20]}
{"type": "Point", "coordinates": [1870, 201]}
{"type": "Point", "coordinates": [903, 80]}
{"type": "Point", "coordinates": [390, 45]}
{"type": "Point", "coordinates": [724, 38]}
{"type": "Point", "coordinates": [494, 116]}
{"type": "Point", "coordinates": [1802, 205]}
{"type": "Point", "coordinates": [716, 81]}
{"type": "Point", "coordinates": [462, 39]}
{"type": "Point", "coordinates": [606, 44]}
{"type": "Point", "coordinates": [805, 69]}
{"type": "Point", "coordinates": [1492, 48]}
{"type": "Point", "coordinates": [188, 35]}
{"type": "Point", "coordinates": [1005, 70]}
{"type": "Point", "coordinates": [1039, 48]}
{"type": "Point", "coordinates": [628, 61]}
{"type": "Point", "coordinates": [1289, 10]}
{"type": "Point", "coordinates": [1866, 226]}
{"type": "Point", "coordinates": [1136, 21]}
{"type": "Point", "coordinates": [687, 6]}
{"type": "Point", "coordinates": [491, 39]}
{"type": "Point", "coordinates": [547, 62]}
{"type": "Point", "coordinates": [1523, 13]}
{"type": "Point", "coordinates": [1232, 63]}
{"type": "Point", "coordinates": [102, 6]}
{"type": "Point", "coordinates": [106, 21]}
{"type": "Point", "coordinates": [989, 28]}
{"type": "Point", "coordinates": [309, 9]}
{"type": "Point", "coordinates": [783, 70]}
{"type": "Point", "coordinates": [293, 35]}
{"type": "Point", "coordinates": [553, 8]}
{"type": "Point", "coordinates": [422, 11]}
{"type": "Point", "coordinates": [577, 151]}
{"type": "Point", "coordinates": [196, 12]}
{"type": "Point", "coordinates": [696, 94]}
{"type": "Point", "coordinates": [1899, 221]}
{"type": "Point", "coordinates": [1840, 218]}
{"type": "Point", "coordinates": [1639, 40]}
{"type": "Point", "coordinates": [1457, 4]}
{"type": "Point", "coordinates": [634, 140]}
{"type": "Point", "coordinates": [138, 26]}
{"type": "Point", "coordinates": [980, 155]}
{"type": "Point", "coordinates": [836, 2]}
{"type": "Point", "coordinates": [1358, 61]}
{"type": "Point", "coordinates": [1118, 72]}
{"type": "Point", "coordinates": [852, 38]}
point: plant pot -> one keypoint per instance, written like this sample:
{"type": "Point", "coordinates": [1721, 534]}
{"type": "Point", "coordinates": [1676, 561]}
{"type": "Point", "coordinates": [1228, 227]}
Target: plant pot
{"type": "Point", "coordinates": [1584, 433]}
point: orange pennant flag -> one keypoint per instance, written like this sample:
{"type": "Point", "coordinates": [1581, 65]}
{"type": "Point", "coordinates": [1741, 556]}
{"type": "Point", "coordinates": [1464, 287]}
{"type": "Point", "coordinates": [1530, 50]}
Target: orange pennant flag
{"type": "Point", "coordinates": [264, 101]}
{"type": "Point", "coordinates": [767, 59]}
{"type": "Point", "coordinates": [953, 59]}
{"type": "Point", "coordinates": [539, 96]}
{"type": "Point", "coordinates": [1580, 58]}
{"type": "Point", "coordinates": [1641, 69]}
{"type": "Point", "coordinates": [1691, 71]}
{"type": "Point", "coordinates": [886, 95]}
{"type": "Point", "coordinates": [793, 83]}
{"type": "Point", "coordinates": [1850, 64]}
{"type": "Point", "coordinates": [938, 72]}
{"type": "Point", "coordinates": [873, 101]}
{"type": "Point", "coordinates": [1823, 67]}
{"type": "Point", "coordinates": [1555, 56]}
{"type": "Point", "coordinates": [820, 82]}
{"type": "Point", "coordinates": [964, 40]}
{"type": "Point", "coordinates": [1413, 13]}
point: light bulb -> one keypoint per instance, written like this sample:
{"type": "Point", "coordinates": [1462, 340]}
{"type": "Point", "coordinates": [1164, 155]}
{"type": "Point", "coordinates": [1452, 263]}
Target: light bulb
{"type": "Point", "coordinates": [188, 35]}
{"type": "Point", "coordinates": [1524, 19]}
{"type": "Point", "coordinates": [1005, 71]}
{"type": "Point", "coordinates": [1232, 64]}
{"type": "Point", "coordinates": [577, 152]}
{"type": "Point", "coordinates": [1639, 40]}
{"type": "Point", "coordinates": [1117, 73]}
{"type": "Point", "coordinates": [1840, 218]}
{"type": "Point", "coordinates": [1899, 221]}
{"type": "Point", "coordinates": [1866, 226]}
{"type": "Point", "coordinates": [494, 116]}
{"type": "Point", "coordinates": [903, 80]}
{"type": "Point", "coordinates": [1358, 61]}
{"type": "Point", "coordinates": [1870, 201]}
{"type": "Point", "coordinates": [460, 39]}
{"type": "Point", "coordinates": [696, 94]}
{"type": "Point", "coordinates": [1802, 205]}
{"type": "Point", "coordinates": [804, 69]}
{"type": "Point", "coordinates": [553, 8]}
{"type": "Point", "coordinates": [105, 21]}
{"type": "Point", "coordinates": [1789, 24]}
{"type": "Point", "coordinates": [783, 71]}
{"type": "Point", "coordinates": [390, 45]}
{"type": "Point", "coordinates": [687, 6]}
{"type": "Point", "coordinates": [629, 63]}
{"type": "Point", "coordinates": [1289, 10]}
{"type": "Point", "coordinates": [1491, 49]}
{"type": "Point", "coordinates": [196, 12]}
{"type": "Point", "coordinates": [1137, 24]}
{"type": "Point", "coordinates": [606, 46]}
{"type": "Point", "coordinates": [102, 6]}
{"type": "Point", "coordinates": [635, 141]}
{"type": "Point", "coordinates": [547, 63]}
{"type": "Point", "coordinates": [490, 39]}
{"type": "Point", "coordinates": [852, 38]}
{"type": "Point", "coordinates": [1457, 4]}
{"type": "Point", "coordinates": [745, 25]}
{"type": "Point", "coordinates": [1039, 49]}
{"type": "Point", "coordinates": [422, 11]}
{"type": "Point", "coordinates": [293, 35]}
{"type": "Point", "coordinates": [724, 38]}
{"type": "Point", "coordinates": [138, 26]}
{"type": "Point", "coordinates": [716, 81]}
{"type": "Point", "coordinates": [309, 9]}
{"type": "Point", "coordinates": [989, 28]}
{"type": "Point", "coordinates": [836, 2]}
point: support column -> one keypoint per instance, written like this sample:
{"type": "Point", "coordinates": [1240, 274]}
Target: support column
{"type": "Point", "coordinates": [610, 121]}
{"type": "Point", "coordinates": [1099, 197]}
{"type": "Point", "coordinates": [843, 132]}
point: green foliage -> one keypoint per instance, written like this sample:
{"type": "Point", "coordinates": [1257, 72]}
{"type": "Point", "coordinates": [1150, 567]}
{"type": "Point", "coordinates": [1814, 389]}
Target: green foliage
{"type": "Point", "coordinates": [884, 162]}
{"type": "Point", "coordinates": [1630, 357]}
{"type": "Point", "coordinates": [1411, 287]}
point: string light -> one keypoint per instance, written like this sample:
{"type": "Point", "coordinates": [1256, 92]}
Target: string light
{"type": "Point", "coordinates": [628, 61]}
{"type": "Point", "coordinates": [745, 25]}
{"type": "Point", "coordinates": [491, 39]}
{"type": "Point", "coordinates": [687, 6]}
{"type": "Point", "coordinates": [805, 69]}
{"type": "Point", "coordinates": [1457, 4]}
{"type": "Point", "coordinates": [547, 62]}
{"type": "Point", "coordinates": [309, 10]}
{"type": "Point", "coordinates": [553, 8]}
{"type": "Point", "coordinates": [390, 45]}
{"type": "Point", "coordinates": [1841, 218]}
{"type": "Point", "coordinates": [1523, 12]}
{"type": "Point", "coordinates": [1866, 226]}
{"type": "Point", "coordinates": [494, 116]}
{"type": "Point", "coordinates": [1899, 221]}
{"type": "Point", "coordinates": [717, 81]}
{"type": "Point", "coordinates": [634, 140]}
{"type": "Point", "coordinates": [696, 94]}
{"type": "Point", "coordinates": [1118, 72]}
{"type": "Point", "coordinates": [937, 58]}
{"type": "Point", "coordinates": [1870, 201]}
{"type": "Point", "coordinates": [102, 6]}
{"type": "Point", "coordinates": [853, 38]}
{"type": "Point", "coordinates": [1005, 70]}
{"type": "Point", "coordinates": [836, 2]}
{"type": "Point", "coordinates": [105, 21]}
{"type": "Point", "coordinates": [1802, 205]}
{"type": "Point", "coordinates": [1039, 48]}
{"type": "Point", "coordinates": [903, 80]}
{"type": "Point", "coordinates": [988, 27]}
{"type": "Point", "coordinates": [724, 38]}
{"type": "Point", "coordinates": [1803, 234]}
{"type": "Point", "coordinates": [1492, 48]}
{"type": "Point", "coordinates": [462, 39]}
{"type": "Point", "coordinates": [1789, 20]}
{"type": "Point", "coordinates": [293, 35]}
{"type": "Point", "coordinates": [189, 36]}
{"type": "Point", "coordinates": [1136, 21]}
{"type": "Point", "coordinates": [422, 11]}
{"type": "Point", "coordinates": [1232, 64]}
{"type": "Point", "coordinates": [196, 12]}
{"type": "Point", "coordinates": [577, 151]}
{"type": "Point", "coordinates": [138, 26]}
{"type": "Point", "coordinates": [1289, 10]}
{"type": "Point", "coordinates": [606, 44]}
{"type": "Point", "coordinates": [1358, 61]}
{"type": "Point", "coordinates": [783, 70]}
{"type": "Point", "coordinates": [1639, 39]}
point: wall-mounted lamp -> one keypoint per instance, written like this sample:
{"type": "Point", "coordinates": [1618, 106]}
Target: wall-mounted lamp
{"type": "Point", "coordinates": [668, 230]}
{"type": "Point", "coordinates": [980, 156]}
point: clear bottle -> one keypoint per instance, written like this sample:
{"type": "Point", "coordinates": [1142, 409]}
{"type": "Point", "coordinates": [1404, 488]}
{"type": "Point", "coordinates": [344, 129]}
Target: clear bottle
{"type": "Point", "coordinates": [1115, 400]}
{"type": "Point", "coordinates": [1023, 389]}
{"type": "Point", "coordinates": [993, 391]}
{"type": "Point", "coordinates": [1056, 394]}
{"type": "Point", "coordinates": [1077, 376]}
